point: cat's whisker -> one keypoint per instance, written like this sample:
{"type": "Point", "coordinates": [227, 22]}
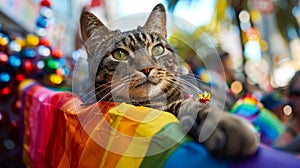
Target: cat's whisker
{"type": "Point", "coordinates": [91, 91]}
{"type": "Point", "coordinates": [111, 91]}
{"type": "Point", "coordinates": [183, 85]}
{"type": "Point", "coordinates": [92, 99]}
{"type": "Point", "coordinates": [188, 84]}
{"type": "Point", "coordinates": [191, 76]}
{"type": "Point", "coordinates": [112, 84]}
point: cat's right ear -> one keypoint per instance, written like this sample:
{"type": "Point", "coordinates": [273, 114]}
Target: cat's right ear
{"type": "Point", "coordinates": [89, 24]}
{"type": "Point", "coordinates": [156, 22]}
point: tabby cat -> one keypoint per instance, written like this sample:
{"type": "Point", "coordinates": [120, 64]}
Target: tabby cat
{"type": "Point", "coordinates": [140, 67]}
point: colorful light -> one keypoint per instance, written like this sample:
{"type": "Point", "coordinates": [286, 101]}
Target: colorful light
{"type": "Point", "coordinates": [41, 22]}
{"type": "Point", "coordinates": [28, 65]}
{"type": "Point", "coordinates": [20, 41]}
{"type": "Point", "coordinates": [20, 77]}
{"type": "Point", "coordinates": [45, 3]}
{"type": "Point", "coordinates": [31, 56]}
{"type": "Point", "coordinates": [44, 51]}
{"type": "Point", "coordinates": [18, 104]}
{"type": "Point", "coordinates": [45, 42]}
{"type": "Point", "coordinates": [29, 53]}
{"type": "Point", "coordinates": [252, 50]}
{"type": "Point", "coordinates": [3, 57]}
{"type": "Point", "coordinates": [60, 72]}
{"type": "Point", "coordinates": [4, 40]}
{"type": "Point", "coordinates": [236, 87]}
{"type": "Point", "coordinates": [4, 77]}
{"type": "Point", "coordinates": [55, 79]}
{"type": "Point", "coordinates": [40, 64]}
{"type": "Point", "coordinates": [42, 32]}
{"type": "Point", "coordinates": [32, 40]}
{"type": "Point", "coordinates": [57, 53]}
{"type": "Point", "coordinates": [287, 110]}
{"type": "Point", "coordinates": [5, 91]}
{"type": "Point", "coordinates": [46, 12]}
{"type": "Point", "coordinates": [244, 16]}
{"type": "Point", "coordinates": [52, 64]}
{"type": "Point", "coordinates": [14, 47]}
{"type": "Point", "coordinates": [252, 34]}
{"type": "Point", "coordinates": [15, 61]}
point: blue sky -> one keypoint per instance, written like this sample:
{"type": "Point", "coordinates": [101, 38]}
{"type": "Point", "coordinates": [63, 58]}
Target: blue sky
{"type": "Point", "coordinates": [198, 13]}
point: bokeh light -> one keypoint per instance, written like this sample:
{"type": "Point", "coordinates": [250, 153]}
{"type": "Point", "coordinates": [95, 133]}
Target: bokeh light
{"type": "Point", "coordinates": [236, 87]}
{"type": "Point", "coordinates": [40, 64]}
{"type": "Point", "coordinates": [253, 50]}
{"type": "Point", "coordinates": [32, 40]}
{"type": "Point", "coordinates": [3, 57]}
{"type": "Point", "coordinates": [46, 12]}
{"type": "Point", "coordinates": [52, 64]}
{"type": "Point", "coordinates": [15, 61]}
{"type": "Point", "coordinates": [29, 53]}
{"type": "Point", "coordinates": [4, 40]}
{"type": "Point", "coordinates": [5, 91]}
{"type": "Point", "coordinates": [55, 79]}
{"type": "Point", "coordinates": [44, 51]}
{"type": "Point", "coordinates": [287, 110]}
{"type": "Point", "coordinates": [14, 47]}
{"type": "Point", "coordinates": [4, 77]}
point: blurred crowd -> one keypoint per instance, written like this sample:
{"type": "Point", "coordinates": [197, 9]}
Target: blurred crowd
{"type": "Point", "coordinates": [283, 103]}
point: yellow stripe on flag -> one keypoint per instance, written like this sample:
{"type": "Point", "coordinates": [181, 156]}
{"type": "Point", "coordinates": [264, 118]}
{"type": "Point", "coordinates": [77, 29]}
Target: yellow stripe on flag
{"type": "Point", "coordinates": [148, 122]}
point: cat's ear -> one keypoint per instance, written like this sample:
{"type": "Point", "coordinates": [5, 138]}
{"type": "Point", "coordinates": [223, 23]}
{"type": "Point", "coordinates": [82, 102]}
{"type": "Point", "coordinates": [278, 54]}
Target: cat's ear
{"type": "Point", "coordinates": [156, 22]}
{"type": "Point", "coordinates": [89, 24]}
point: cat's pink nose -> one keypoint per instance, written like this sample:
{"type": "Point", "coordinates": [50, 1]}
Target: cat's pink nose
{"type": "Point", "coordinates": [147, 70]}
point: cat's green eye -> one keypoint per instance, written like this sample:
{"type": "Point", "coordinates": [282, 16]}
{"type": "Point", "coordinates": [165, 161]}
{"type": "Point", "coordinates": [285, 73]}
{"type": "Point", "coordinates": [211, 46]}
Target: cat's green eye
{"type": "Point", "coordinates": [120, 54]}
{"type": "Point", "coordinates": [158, 50]}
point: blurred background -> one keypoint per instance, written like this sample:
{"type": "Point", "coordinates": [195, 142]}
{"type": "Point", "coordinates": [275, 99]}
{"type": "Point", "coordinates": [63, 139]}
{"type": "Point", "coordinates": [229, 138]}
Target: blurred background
{"type": "Point", "coordinates": [40, 39]}
{"type": "Point", "coordinates": [261, 36]}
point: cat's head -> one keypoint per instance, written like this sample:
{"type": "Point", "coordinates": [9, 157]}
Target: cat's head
{"type": "Point", "coordinates": [137, 66]}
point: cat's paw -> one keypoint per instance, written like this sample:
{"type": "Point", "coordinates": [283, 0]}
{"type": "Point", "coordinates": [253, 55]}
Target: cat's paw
{"type": "Point", "coordinates": [233, 138]}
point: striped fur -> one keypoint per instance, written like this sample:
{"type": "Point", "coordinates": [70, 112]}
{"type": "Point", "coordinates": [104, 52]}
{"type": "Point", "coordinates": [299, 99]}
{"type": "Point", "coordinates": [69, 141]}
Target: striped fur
{"type": "Point", "coordinates": [138, 44]}
{"type": "Point", "coordinates": [145, 78]}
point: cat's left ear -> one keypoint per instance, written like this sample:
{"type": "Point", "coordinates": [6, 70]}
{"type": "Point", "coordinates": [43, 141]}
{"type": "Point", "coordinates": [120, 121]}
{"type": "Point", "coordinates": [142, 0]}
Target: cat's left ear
{"type": "Point", "coordinates": [156, 22]}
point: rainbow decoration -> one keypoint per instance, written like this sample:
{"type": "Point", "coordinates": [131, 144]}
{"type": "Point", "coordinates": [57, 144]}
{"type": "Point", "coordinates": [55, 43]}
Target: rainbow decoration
{"type": "Point", "coordinates": [33, 56]}
{"type": "Point", "coordinates": [265, 122]}
{"type": "Point", "coordinates": [53, 134]}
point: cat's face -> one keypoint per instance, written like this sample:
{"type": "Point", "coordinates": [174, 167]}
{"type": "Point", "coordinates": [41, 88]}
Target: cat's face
{"type": "Point", "coordinates": [137, 66]}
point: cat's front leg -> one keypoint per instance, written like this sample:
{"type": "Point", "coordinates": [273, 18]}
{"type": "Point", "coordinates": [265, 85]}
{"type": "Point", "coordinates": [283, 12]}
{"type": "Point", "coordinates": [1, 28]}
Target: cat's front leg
{"type": "Point", "coordinates": [230, 135]}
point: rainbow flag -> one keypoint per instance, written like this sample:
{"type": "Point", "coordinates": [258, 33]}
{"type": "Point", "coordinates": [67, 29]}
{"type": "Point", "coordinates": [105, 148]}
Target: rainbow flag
{"type": "Point", "coordinates": [266, 123]}
{"type": "Point", "coordinates": [57, 131]}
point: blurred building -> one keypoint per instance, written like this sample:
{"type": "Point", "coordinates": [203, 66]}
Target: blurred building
{"type": "Point", "coordinates": [20, 16]}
